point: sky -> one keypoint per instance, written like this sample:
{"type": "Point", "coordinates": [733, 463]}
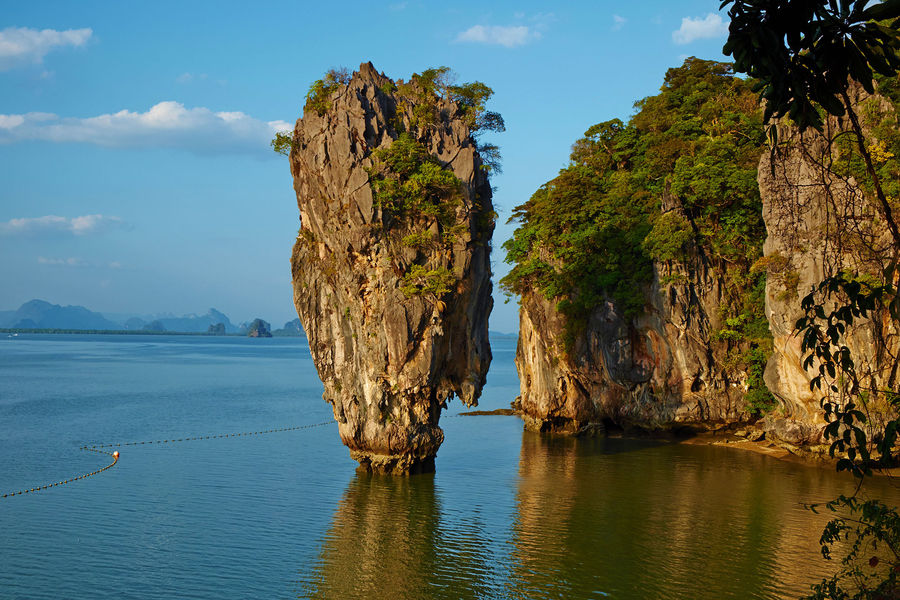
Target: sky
{"type": "Point", "coordinates": [136, 175]}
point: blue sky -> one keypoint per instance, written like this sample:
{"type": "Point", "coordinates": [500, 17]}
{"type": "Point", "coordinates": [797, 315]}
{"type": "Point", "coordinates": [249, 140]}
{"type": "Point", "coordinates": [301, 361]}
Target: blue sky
{"type": "Point", "coordinates": [134, 160]}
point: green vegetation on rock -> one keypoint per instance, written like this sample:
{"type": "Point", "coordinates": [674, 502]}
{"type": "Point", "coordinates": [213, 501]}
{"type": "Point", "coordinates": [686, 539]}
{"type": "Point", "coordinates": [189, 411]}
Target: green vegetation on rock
{"type": "Point", "coordinates": [594, 232]}
{"type": "Point", "coordinates": [420, 281]}
{"type": "Point", "coordinates": [878, 115]}
{"type": "Point", "coordinates": [410, 182]}
{"type": "Point", "coordinates": [282, 143]}
{"type": "Point", "coordinates": [675, 182]}
{"type": "Point", "coordinates": [421, 93]}
{"type": "Point", "coordinates": [419, 196]}
{"type": "Point", "coordinates": [318, 98]}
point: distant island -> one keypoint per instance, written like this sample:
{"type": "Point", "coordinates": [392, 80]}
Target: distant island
{"type": "Point", "coordinates": [40, 316]}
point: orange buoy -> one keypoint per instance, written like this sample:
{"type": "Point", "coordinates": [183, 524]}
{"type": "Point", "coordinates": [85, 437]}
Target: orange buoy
{"type": "Point", "coordinates": [116, 455]}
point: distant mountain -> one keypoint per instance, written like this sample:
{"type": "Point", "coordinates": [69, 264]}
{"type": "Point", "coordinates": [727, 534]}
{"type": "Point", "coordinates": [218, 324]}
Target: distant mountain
{"type": "Point", "coordinates": [290, 329]}
{"type": "Point", "coordinates": [217, 329]}
{"type": "Point", "coordinates": [197, 323]}
{"type": "Point", "coordinates": [154, 326]}
{"type": "Point", "coordinates": [135, 323]}
{"type": "Point", "coordinates": [493, 333]}
{"type": "Point", "coordinates": [38, 314]}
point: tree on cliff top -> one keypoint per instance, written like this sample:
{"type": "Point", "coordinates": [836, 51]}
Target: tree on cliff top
{"type": "Point", "coordinates": [419, 95]}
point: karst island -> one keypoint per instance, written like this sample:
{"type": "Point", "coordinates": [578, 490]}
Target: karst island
{"type": "Point", "coordinates": [391, 267]}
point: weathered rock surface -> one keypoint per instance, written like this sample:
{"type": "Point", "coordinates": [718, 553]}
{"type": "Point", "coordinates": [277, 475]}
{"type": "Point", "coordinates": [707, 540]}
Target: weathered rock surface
{"type": "Point", "coordinates": [661, 370]}
{"type": "Point", "coordinates": [389, 362]}
{"type": "Point", "coordinates": [818, 225]}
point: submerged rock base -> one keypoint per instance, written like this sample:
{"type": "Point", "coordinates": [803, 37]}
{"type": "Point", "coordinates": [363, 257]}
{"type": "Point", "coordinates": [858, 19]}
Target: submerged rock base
{"type": "Point", "coordinates": [393, 465]}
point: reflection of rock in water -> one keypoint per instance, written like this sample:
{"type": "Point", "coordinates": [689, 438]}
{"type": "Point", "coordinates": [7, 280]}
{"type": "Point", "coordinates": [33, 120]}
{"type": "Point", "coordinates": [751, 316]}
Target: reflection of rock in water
{"type": "Point", "coordinates": [388, 540]}
{"type": "Point", "coordinates": [627, 519]}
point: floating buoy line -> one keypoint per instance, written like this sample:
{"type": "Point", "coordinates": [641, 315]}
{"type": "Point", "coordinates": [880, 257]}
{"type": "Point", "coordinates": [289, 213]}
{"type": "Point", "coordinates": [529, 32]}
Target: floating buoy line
{"type": "Point", "coordinates": [98, 448]}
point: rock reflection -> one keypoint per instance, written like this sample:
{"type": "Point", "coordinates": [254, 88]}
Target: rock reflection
{"type": "Point", "coordinates": [635, 519]}
{"type": "Point", "coordinates": [388, 539]}
{"type": "Point", "coordinates": [588, 518]}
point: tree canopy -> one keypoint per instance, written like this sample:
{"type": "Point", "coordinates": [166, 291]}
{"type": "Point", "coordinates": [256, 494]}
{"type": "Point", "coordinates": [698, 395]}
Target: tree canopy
{"type": "Point", "coordinates": [594, 230]}
{"type": "Point", "coordinates": [804, 53]}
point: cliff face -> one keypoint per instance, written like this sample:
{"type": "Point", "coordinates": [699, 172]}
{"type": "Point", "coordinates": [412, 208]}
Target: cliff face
{"type": "Point", "coordinates": [674, 363]}
{"type": "Point", "coordinates": [820, 224]}
{"type": "Point", "coordinates": [655, 318]}
{"type": "Point", "coordinates": [660, 370]}
{"type": "Point", "coordinates": [394, 301]}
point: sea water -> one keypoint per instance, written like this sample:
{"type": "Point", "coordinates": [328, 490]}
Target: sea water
{"type": "Point", "coordinates": [508, 514]}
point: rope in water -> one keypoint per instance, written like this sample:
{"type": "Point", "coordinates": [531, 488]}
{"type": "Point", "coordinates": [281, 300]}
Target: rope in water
{"type": "Point", "coordinates": [115, 457]}
{"type": "Point", "coordinates": [204, 437]}
{"type": "Point", "coordinates": [115, 454]}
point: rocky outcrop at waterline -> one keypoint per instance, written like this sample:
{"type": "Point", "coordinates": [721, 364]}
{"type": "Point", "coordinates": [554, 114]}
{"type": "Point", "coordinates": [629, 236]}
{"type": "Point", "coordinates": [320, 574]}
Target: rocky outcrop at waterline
{"type": "Point", "coordinates": [710, 340]}
{"type": "Point", "coordinates": [259, 329]}
{"type": "Point", "coordinates": [661, 370]}
{"type": "Point", "coordinates": [636, 307]}
{"type": "Point", "coordinates": [391, 270]}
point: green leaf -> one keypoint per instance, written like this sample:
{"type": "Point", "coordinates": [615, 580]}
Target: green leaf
{"type": "Point", "coordinates": [888, 9]}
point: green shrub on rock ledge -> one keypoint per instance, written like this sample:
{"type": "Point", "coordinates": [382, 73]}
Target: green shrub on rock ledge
{"type": "Point", "coordinates": [283, 142]}
{"type": "Point", "coordinates": [420, 281]}
{"type": "Point", "coordinates": [408, 181]}
{"type": "Point", "coordinates": [667, 239]}
{"type": "Point", "coordinates": [318, 98]}
{"type": "Point", "coordinates": [419, 96]}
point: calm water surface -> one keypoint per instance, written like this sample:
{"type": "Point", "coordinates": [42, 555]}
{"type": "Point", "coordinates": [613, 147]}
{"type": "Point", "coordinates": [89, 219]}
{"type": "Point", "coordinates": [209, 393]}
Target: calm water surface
{"type": "Point", "coordinates": [507, 515]}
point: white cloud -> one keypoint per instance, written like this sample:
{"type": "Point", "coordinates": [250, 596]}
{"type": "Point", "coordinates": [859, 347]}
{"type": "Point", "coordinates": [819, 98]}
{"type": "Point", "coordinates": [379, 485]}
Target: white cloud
{"type": "Point", "coordinates": [23, 46]}
{"type": "Point", "coordinates": [62, 262]}
{"type": "Point", "coordinates": [696, 28]}
{"type": "Point", "coordinates": [165, 125]}
{"type": "Point", "coordinates": [509, 36]}
{"type": "Point", "coordinates": [83, 225]}
{"type": "Point", "coordinates": [10, 121]}
{"type": "Point", "coordinates": [618, 22]}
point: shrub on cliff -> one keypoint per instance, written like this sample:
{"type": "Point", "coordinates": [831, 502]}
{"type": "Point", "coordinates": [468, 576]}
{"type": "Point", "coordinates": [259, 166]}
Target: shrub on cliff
{"type": "Point", "coordinates": [419, 96]}
{"type": "Point", "coordinates": [318, 98]}
{"type": "Point", "coordinates": [408, 181]}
